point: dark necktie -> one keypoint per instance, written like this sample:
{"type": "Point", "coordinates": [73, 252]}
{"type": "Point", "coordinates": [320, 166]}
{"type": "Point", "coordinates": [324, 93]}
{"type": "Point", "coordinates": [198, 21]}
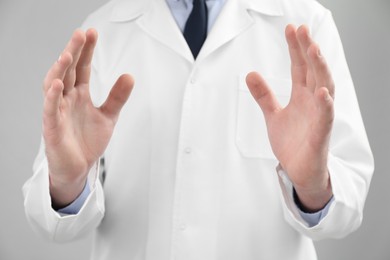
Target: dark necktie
{"type": "Point", "coordinates": [195, 31]}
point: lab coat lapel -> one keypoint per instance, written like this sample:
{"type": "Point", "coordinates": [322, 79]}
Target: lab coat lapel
{"type": "Point", "coordinates": [161, 25]}
{"type": "Point", "coordinates": [155, 18]}
{"type": "Point", "coordinates": [235, 19]}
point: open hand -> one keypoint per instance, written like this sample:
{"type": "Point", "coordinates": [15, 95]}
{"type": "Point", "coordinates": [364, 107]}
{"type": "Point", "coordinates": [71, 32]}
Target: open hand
{"type": "Point", "coordinates": [75, 132]}
{"type": "Point", "coordinates": [299, 133]}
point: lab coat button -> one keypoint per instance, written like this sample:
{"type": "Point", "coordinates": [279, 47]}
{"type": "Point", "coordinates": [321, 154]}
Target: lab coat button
{"type": "Point", "coordinates": [188, 150]}
{"type": "Point", "coordinates": [183, 227]}
{"type": "Point", "coordinates": [193, 81]}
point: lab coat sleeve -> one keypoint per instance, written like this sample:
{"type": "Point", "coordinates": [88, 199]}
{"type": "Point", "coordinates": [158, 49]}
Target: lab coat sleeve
{"type": "Point", "coordinates": [350, 161]}
{"type": "Point", "coordinates": [49, 223]}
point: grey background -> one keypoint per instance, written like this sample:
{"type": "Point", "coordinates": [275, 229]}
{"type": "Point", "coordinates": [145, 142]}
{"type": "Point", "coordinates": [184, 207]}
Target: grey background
{"type": "Point", "coordinates": [33, 33]}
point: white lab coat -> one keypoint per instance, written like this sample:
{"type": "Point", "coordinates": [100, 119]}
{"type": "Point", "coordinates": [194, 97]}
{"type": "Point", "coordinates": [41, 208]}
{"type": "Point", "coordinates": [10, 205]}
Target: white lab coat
{"type": "Point", "coordinates": [190, 173]}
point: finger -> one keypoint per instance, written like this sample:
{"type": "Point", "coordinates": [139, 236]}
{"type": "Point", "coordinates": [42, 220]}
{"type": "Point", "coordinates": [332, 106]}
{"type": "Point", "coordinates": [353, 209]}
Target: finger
{"type": "Point", "coordinates": [74, 47]}
{"type": "Point", "coordinates": [298, 62]}
{"type": "Point", "coordinates": [321, 70]}
{"type": "Point", "coordinates": [83, 68]}
{"type": "Point", "coordinates": [118, 96]}
{"type": "Point", "coordinates": [262, 94]}
{"type": "Point", "coordinates": [305, 41]}
{"type": "Point", "coordinates": [57, 71]}
{"type": "Point", "coordinates": [325, 116]}
{"type": "Point", "coordinates": [51, 107]}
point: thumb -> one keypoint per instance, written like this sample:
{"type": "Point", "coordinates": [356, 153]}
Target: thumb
{"type": "Point", "coordinates": [262, 93]}
{"type": "Point", "coordinates": [118, 96]}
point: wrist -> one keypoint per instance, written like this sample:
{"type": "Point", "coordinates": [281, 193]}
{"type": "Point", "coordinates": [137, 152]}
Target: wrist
{"type": "Point", "coordinates": [64, 192]}
{"type": "Point", "coordinates": [313, 198]}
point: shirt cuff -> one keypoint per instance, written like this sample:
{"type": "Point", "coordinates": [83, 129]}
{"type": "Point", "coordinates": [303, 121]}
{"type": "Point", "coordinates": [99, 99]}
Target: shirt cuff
{"type": "Point", "coordinates": [315, 218]}
{"type": "Point", "coordinates": [75, 207]}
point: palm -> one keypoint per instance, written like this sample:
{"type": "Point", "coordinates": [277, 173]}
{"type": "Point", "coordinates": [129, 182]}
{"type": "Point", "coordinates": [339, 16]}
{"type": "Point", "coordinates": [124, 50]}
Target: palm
{"type": "Point", "coordinates": [296, 136]}
{"type": "Point", "coordinates": [299, 133]}
{"type": "Point", "coordinates": [81, 135]}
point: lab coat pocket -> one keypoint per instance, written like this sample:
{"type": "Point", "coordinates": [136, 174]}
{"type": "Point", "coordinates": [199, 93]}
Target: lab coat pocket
{"type": "Point", "coordinates": [251, 132]}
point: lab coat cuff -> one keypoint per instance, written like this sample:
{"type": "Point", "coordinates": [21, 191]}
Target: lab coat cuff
{"type": "Point", "coordinates": [308, 220]}
{"type": "Point", "coordinates": [50, 223]}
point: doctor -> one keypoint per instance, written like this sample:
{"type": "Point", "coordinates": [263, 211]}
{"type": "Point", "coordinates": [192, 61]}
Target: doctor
{"type": "Point", "coordinates": [207, 160]}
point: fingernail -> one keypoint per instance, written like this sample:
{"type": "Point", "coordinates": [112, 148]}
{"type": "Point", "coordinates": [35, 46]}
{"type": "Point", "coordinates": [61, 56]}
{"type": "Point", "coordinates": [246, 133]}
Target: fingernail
{"type": "Point", "coordinates": [59, 58]}
{"type": "Point", "coordinates": [319, 53]}
{"type": "Point", "coordinates": [327, 97]}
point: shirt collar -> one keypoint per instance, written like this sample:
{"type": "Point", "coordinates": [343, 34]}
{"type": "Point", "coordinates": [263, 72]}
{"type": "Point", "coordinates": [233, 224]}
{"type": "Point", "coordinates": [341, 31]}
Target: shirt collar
{"type": "Point", "coordinates": [126, 10]}
{"type": "Point", "coordinates": [189, 2]}
{"type": "Point", "coordinates": [269, 7]}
